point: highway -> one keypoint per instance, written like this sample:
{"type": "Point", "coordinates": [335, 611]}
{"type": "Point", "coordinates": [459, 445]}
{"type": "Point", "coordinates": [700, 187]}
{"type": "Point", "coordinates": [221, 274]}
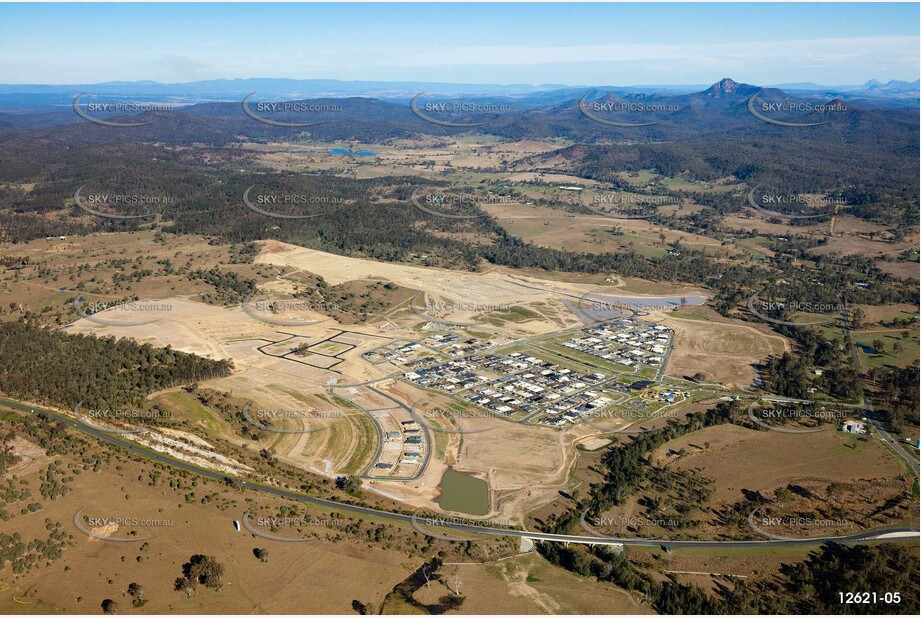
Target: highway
{"type": "Point", "coordinates": [862, 537]}
{"type": "Point", "coordinates": [867, 406]}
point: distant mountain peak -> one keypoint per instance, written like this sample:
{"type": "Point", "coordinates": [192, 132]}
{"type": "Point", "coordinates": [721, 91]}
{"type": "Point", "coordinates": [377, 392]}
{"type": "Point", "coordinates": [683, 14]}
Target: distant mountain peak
{"type": "Point", "coordinates": [727, 87]}
{"type": "Point", "coordinates": [724, 86]}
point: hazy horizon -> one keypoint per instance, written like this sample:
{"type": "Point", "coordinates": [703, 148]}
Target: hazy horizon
{"type": "Point", "coordinates": [572, 44]}
{"type": "Point", "coordinates": [882, 80]}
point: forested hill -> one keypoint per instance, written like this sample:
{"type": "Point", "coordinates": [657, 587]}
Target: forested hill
{"type": "Point", "coordinates": [48, 366]}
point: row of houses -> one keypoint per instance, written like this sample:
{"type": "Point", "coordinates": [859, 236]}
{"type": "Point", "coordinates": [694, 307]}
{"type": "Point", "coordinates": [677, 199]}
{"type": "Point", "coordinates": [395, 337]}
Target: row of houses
{"type": "Point", "coordinates": [413, 443]}
{"type": "Point", "coordinates": [574, 408]}
{"type": "Point", "coordinates": [525, 383]}
{"type": "Point", "coordinates": [453, 345]}
{"type": "Point", "coordinates": [418, 354]}
{"type": "Point", "coordinates": [626, 342]}
{"type": "Point", "coordinates": [401, 353]}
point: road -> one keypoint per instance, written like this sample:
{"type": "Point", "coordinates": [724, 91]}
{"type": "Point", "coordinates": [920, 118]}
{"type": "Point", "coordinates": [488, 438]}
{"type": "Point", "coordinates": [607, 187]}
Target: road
{"type": "Point", "coordinates": [428, 444]}
{"type": "Point", "coordinates": [863, 537]}
{"type": "Point", "coordinates": [867, 406]}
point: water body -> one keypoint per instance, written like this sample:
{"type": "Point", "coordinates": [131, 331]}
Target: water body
{"type": "Point", "coordinates": [463, 493]}
{"type": "Point", "coordinates": [663, 302]}
{"type": "Point", "coordinates": [352, 153]}
{"type": "Point", "coordinates": [596, 306]}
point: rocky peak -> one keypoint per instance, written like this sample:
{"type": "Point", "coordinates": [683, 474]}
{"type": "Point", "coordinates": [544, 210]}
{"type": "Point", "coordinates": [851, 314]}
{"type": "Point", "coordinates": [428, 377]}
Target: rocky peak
{"type": "Point", "coordinates": [725, 86]}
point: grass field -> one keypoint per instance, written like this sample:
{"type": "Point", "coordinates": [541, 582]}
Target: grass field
{"type": "Point", "coordinates": [908, 355]}
{"type": "Point", "coordinates": [51, 283]}
{"type": "Point", "coordinates": [740, 460]}
{"type": "Point", "coordinates": [724, 350]}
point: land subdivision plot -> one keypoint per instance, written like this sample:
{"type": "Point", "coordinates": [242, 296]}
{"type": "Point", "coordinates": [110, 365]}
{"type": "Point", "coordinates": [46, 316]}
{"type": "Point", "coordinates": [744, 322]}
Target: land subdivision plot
{"type": "Point", "coordinates": [740, 459]}
{"type": "Point", "coordinates": [479, 289]}
{"type": "Point", "coordinates": [523, 465]}
{"type": "Point", "coordinates": [725, 351]}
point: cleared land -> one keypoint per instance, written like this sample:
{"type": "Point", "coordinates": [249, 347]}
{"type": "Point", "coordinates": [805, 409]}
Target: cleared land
{"type": "Point", "coordinates": [739, 459]}
{"type": "Point", "coordinates": [725, 350]}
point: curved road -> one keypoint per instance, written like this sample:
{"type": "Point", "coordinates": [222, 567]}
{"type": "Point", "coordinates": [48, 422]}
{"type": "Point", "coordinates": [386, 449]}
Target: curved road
{"type": "Point", "coordinates": [863, 537]}
{"type": "Point", "coordinates": [866, 405]}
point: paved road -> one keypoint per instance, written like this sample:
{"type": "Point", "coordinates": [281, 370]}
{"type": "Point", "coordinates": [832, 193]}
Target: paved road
{"type": "Point", "coordinates": [428, 445]}
{"type": "Point", "coordinates": [867, 406]}
{"type": "Point", "coordinates": [863, 537]}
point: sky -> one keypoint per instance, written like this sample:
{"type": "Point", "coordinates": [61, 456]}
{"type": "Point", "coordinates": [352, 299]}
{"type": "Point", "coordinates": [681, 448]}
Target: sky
{"type": "Point", "coordinates": [574, 44]}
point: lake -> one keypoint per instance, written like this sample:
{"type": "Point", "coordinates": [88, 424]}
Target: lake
{"type": "Point", "coordinates": [354, 153]}
{"type": "Point", "coordinates": [463, 493]}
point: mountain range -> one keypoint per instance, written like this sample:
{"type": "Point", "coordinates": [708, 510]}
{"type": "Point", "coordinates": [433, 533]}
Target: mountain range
{"type": "Point", "coordinates": [35, 96]}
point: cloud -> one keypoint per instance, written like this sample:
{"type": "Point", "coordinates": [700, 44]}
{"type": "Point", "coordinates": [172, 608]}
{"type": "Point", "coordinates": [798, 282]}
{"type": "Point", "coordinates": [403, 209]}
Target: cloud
{"type": "Point", "coordinates": [840, 50]}
{"type": "Point", "coordinates": [184, 68]}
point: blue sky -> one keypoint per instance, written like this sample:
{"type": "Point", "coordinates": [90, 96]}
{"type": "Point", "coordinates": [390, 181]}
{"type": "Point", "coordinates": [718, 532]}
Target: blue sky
{"type": "Point", "coordinates": [597, 44]}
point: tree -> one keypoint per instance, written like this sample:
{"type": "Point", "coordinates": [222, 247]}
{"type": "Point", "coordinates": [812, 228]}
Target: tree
{"type": "Point", "coordinates": [200, 569]}
{"type": "Point", "coordinates": [261, 553]}
{"type": "Point", "coordinates": [363, 609]}
{"type": "Point", "coordinates": [457, 582]}
{"type": "Point", "coordinates": [136, 592]}
{"type": "Point", "coordinates": [109, 606]}
{"type": "Point", "coordinates": [857, 318]}
{"type": "Point", "coordinates": [427, 574]}
{"type": "Point", "coordinates": [879, 346]}
{"type": "Point", "coordinates": [448, 602]}
{"type": "Point", "coordinates": [7, 456]}
{"type": "Point", "coordinates": [186, 585]}
{"type": "Point", "coordinates": [350, 484]}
